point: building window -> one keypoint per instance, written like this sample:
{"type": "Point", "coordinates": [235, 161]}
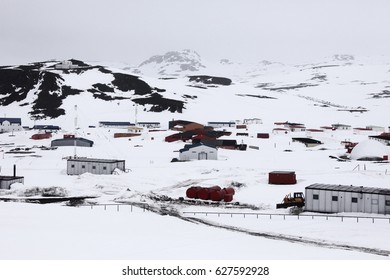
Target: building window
{"type": "Point", "coordinates": [354, 200]}
{"type": "Point", "coordinates": [93, 167]}
{"type": "Point", "coordinates": [104, 168]}
{"type": "Point", "coordinates": [335, 198]}
{"type": "Point", "coordinates": [83, 166]}
{"type": "Point", "coordinates": [315, 196]}
{"type": "Point", "coordinates": [387, 202]}
{"type": "Point", "coordinates": [374, 202]}
{"type": "Point", "coordinates": [72, 166]}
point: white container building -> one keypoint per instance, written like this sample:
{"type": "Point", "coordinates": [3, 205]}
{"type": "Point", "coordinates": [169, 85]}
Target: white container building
{"type": "Point", "coordinates": [339, 198]}
{"type": "Point", "coordinates": [77, 166]}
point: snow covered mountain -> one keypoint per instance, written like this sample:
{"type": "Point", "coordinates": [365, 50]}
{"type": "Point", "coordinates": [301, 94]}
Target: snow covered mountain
{"type": "Point", "coordinates": [171, 64]}
{"type": "Point", "coordinates": [180, 85]}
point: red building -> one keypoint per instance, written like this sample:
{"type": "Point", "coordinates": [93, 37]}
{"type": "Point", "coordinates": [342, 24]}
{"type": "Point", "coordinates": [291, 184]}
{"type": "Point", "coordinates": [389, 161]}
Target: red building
{"type": "Point", "coordinates": [282, 178]}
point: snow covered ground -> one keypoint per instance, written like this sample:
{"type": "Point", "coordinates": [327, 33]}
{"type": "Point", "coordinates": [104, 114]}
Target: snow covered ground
{"type": "Point", "coordinates": [56, 231]}
{"type": "Point", "coordinates": [33, 231]}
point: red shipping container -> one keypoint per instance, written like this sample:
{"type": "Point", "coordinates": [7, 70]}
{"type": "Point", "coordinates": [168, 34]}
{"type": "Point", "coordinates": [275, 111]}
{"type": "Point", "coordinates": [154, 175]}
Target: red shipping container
{"type": "Point", "coordinates": [282, 178]}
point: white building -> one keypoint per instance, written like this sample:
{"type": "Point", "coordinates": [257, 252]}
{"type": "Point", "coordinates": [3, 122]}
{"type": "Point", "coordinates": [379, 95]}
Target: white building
{"type": "Point", "coordinates": [221, 124]}
{"type": "Point", "coordinates": [135, 129]}
{"type": "Point", "coordinates": [338, 198]}
{"type": "Point", "coordinates": [339, 126]}
{"type": "Point", "coordinates": [10, 124]}
{"type": "Point", "coordinates": [376, 128]}
{"type": "Point", "coordinates": [77, 166]}
{"type": "Point", "coordinates": [66, 65]}
{"type": "Point", "coordinates": [198, 151]}
{"type": "Point", "coordinates": [253, 121]}
{"type": "Point", "coordinates": [149, 124]}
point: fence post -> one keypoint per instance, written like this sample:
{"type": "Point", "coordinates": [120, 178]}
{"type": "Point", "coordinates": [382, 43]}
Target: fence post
{"type": "Point", "coordinates": [373, 220]}
{"type": "Point", "coordinates": [131, 208]}
{"type": "Point", "coordinates": [284, 217]}
{"type": "Point", "coordinates": [357, 219]}
{"type": "Point", "coordinates": [244, 215]}
{"type": "Point", "coordinates": [342, 218]}
{"type": "Point", "coordinates": [117, 208]}
{"type": "Point", "coordinates": [105, 206]}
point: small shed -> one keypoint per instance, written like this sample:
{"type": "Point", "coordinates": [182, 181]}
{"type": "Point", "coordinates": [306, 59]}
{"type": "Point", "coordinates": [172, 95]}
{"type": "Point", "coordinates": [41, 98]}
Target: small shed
{"type": "Point", "coordinates": [282, 178]}
{"type": "Point", "coordinates": [327, 198]}
{"type": "Point", "coordinates": [198, 151]}
{"type": "Point", "coordinates": [77, 166]}
{"type": "Point", "coordinates": [263, 135]}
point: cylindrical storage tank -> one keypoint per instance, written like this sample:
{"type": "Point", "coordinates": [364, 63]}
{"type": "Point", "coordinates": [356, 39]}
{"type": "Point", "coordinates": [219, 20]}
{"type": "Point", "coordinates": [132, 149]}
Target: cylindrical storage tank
{"type": "Point", "coordinates": [204, 193]}
{"type": "Point", "coordinates": [215, 188]}
{"type": "Point", "coordinates": [228, 198]}
{"type": "Point", "coordinates": [217, 195]}
{"type": "Point", "coordinates": [192, 192]}
{"type": "Point", "coordinates": [229, 191]}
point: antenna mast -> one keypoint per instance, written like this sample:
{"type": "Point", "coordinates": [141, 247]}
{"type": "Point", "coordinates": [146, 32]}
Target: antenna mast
{"type": "Point", "coordinates": [136, 113]}
{"type": "Point", "coordinates": [75, 130]}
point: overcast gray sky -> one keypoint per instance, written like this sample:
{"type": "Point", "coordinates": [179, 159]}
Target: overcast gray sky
{"type": "Point", "coordinates": [133, 30]}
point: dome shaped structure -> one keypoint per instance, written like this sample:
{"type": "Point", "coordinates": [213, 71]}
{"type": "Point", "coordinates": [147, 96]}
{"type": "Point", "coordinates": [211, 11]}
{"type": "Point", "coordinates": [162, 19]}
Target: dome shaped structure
{"type": "Point", "coordinates": [369, 150]}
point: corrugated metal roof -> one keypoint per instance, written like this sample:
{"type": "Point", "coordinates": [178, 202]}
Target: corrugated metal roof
{"type": "Point", "coordinates": [99, 160]}
{"type": "Point", "coordinates": [345, 188]}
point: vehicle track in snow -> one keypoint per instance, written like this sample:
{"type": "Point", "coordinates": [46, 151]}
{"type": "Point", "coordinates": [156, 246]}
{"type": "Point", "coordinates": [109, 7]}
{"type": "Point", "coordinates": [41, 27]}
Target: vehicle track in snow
{"type": "Point", "coordinates": [165, 209]}
{"type": "Point", "coordinates": [293, 239]}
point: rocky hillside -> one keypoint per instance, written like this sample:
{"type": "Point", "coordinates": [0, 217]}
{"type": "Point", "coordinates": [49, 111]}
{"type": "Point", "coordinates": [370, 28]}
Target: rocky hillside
{"type": "Point", "coordinates": [44, 86]}
{"type": "Point", "coordinates": [342, 88]}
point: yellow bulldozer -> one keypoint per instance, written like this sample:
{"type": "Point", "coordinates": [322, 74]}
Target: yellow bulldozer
{"type": "Point", "coordinates": [297, 199]}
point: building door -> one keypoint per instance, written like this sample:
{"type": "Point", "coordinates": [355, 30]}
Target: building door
{"type": "Point", "coordinates": [202, 155]}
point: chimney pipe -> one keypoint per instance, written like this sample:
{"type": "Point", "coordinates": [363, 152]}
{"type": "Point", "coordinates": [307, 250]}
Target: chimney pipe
{"type": "Point", "coordinates": [14, 170]}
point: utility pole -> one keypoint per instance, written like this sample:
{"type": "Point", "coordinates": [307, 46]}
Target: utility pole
{"type": "Point", "coordinates": [75, 131]}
